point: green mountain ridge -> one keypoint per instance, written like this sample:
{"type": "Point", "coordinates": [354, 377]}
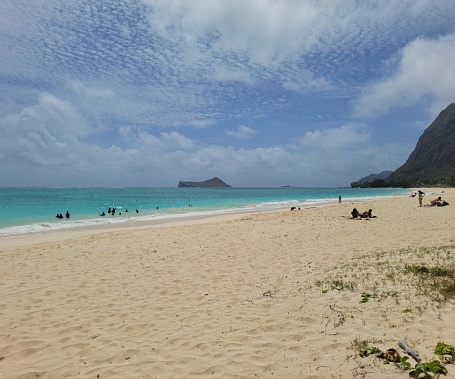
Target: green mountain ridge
{"type": "Point", "coordinates": [433, 160]}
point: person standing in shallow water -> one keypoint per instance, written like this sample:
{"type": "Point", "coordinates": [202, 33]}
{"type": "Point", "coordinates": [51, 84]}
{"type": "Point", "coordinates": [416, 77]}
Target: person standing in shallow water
{"type": "Point", "coordinates": [421, 195]}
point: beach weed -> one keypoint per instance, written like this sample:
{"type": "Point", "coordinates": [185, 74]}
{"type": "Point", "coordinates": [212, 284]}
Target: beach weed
{"type": "Point", "coordinates": [439, 281]}
{"type": "Point", "coordinates": [368, 350]}
{"type": "Point", "coordinates": [428, 370]}
{"type": "Point", "coordinates": [365, 297]}
{"type": "Point", "coordinates": [363, 347]}
{"type": "Point", "coordinates": [417, 269]}
{"type": "Point", "coordinates": [442, 272]}
{"type": "Point", "coordinates": [342, 285]}
{"type": "Point", "coordinates": [393, 294]}
{"type": "Point", "coordinates": [445, 352]}
{"type": "Point", "coordinates": [449, 290]}
{"type": "Point", "coordinates": [335, 284]}
{"type": "Point", "coordinates": [430, 276]}
{"type": "Point", "coordinates": [404, 364]}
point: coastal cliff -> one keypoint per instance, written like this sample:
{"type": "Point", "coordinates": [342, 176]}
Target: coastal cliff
{"type": "Point", "coordinates": [433, 160]}
{"type": "Point", "coordinates": [210, 183]}
{"type": "Point", "coordinates": [432, 163]}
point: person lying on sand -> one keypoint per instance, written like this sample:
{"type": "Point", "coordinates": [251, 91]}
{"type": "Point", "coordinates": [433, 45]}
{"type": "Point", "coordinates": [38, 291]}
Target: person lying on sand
{"type": "Point", "coordinates": [437, 202]}
{"type": "Point", "coordinates": [356, 215]}
{"type": "Point", "coordinates": [367, 214]}
{"type": "Point", "coordinates": [434, 202]}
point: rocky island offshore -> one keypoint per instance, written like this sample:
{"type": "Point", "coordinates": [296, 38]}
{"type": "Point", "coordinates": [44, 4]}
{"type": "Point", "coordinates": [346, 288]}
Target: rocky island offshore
{"type": "Point", "coordinates": [210, 183]}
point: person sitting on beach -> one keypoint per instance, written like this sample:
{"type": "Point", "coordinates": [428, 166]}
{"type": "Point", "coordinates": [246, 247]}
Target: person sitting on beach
{"type": "Point", "coordinates": [355, 213]}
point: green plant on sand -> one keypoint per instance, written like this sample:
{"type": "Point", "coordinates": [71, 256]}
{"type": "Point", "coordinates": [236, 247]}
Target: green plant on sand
{"type": "Point", "coordinates": [445, 352]}
{"type": "Point", "coordinates": [365, 297]}
{"type": "Point", "coordinates": [404, 364]}
{"type": "Point", "coordinates": [437, 279]}
{"type": "Point", "coordinates": [428, 370]}
{"type": "Point", "coordinates": [365, 351]}
{"type": "Point", "coordinates": [427, 272]}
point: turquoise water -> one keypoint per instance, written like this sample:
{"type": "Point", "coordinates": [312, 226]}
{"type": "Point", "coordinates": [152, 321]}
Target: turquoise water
{"type": "Point", "coordinates": [26, 210]}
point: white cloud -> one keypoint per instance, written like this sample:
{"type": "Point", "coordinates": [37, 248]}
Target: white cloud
{"type": "Point", "coordinates": [118, 80]}
{"type": "Point", "coordinates": [326, 157]}
{"type": "Point", "coordinates": [305, 81]}
{"type": "Point", "coordinates": [344, 137]}
{"type": "Point", "coordinates": [176, 140]}
{"type": "Point", "coordinates": [138, 139]}
{"type": "Point", "coordinates": [36, 148]}
{"type": "Point", "coordinates": [425, 71]}
{"type": "Point", "coordinates": [43, 135]}
{"type": "Point", "coordinates": [242, 132]}
{"type": "Point", "coordinates": [55, 115]}
{"type": "Point", "coordinates": [272, 32]}
{"type": "Point", "coordinates": [82, 89]}
{"type": "Point", "coordinates": [224, 74]}
{"type": "Point", "coordinates": [266, 29]}
{"type": "Point", "coordinates": [201, 124]}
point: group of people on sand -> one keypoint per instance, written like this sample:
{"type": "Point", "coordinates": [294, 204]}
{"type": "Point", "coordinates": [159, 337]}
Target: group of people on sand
{"type": "Point", "coordinates": [356, 215]}
{"type": "Point", "coordinates": [436, 202]}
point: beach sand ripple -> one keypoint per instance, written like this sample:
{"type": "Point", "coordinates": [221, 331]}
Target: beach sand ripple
{"type": "Point", "coordinates": [265, 295]}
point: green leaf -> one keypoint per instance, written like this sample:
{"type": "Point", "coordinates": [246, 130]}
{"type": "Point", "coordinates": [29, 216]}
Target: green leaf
{"type": "Point", "coordinates": [428, 370]}
{"type": "Point", "coordinates": [444, 349]}
{"type": "Point", "coordinates": [365, 297]}
{"type": "Point", "coordinates": [404, 363]}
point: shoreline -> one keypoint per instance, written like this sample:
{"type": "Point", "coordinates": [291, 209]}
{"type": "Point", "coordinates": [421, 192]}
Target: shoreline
{"type": "Point", "coordinates": [269, 294]}
{"type": "Point", "coordinates": [202, 217]}
{"type": "Point", "coordinates": [45, 223]}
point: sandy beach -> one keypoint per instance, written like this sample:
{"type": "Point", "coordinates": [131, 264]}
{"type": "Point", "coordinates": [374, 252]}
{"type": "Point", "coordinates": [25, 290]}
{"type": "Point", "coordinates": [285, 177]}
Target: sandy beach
{"type": "Point", "coordinates": [288, 294]}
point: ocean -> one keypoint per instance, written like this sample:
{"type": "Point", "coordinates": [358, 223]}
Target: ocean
{"type": "Point", "coordinates": [34, 210]}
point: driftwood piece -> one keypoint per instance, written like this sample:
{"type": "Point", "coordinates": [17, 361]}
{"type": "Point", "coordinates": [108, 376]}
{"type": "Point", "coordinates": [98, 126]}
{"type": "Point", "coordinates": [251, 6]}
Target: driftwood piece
{"type": "Point", "coordinates": [414, 354]}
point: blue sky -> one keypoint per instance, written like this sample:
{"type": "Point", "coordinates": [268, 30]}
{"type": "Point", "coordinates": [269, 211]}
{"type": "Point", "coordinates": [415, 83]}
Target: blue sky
{"type": "Point", "coordinates": [257, 92]}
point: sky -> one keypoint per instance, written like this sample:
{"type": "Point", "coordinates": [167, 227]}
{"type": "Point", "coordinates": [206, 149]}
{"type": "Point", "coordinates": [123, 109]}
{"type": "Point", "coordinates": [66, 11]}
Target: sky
{"type": "Point", "coordinates": [260, 93]}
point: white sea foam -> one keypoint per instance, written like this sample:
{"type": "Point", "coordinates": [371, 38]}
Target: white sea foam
{"type": "Point", "coordinates": [62, 225]}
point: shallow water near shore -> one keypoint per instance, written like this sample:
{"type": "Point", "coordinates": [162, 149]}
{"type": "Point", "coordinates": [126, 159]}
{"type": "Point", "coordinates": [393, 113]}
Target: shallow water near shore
{"type": "Point", "coordinates": [28, 210]}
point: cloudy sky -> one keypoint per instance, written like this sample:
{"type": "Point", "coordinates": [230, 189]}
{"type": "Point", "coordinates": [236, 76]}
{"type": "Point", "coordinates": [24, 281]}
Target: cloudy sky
{"type": "Point", "coordinates": [257, 92]}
